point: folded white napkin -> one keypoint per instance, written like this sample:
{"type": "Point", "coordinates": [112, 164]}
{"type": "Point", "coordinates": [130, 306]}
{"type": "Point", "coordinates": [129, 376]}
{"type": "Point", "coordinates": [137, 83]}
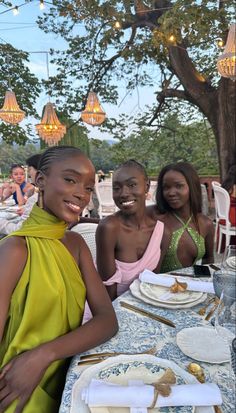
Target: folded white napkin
{"type": "Point", "coordinates": [167, 281]}
{"type": "Point", "coordinates": [100, 393]}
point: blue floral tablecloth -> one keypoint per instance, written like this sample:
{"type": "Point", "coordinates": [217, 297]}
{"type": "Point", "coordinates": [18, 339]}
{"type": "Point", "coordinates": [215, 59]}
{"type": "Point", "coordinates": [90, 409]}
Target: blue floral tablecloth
{"type": "Point", "coordinates": [138, 333]}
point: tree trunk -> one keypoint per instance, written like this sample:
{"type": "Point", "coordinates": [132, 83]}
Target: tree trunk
{"type": "Point", "coordinates": [217, 104]}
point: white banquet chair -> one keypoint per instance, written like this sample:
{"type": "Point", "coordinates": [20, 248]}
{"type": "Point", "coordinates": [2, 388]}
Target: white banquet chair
{"type": "Point", "coordinates": [106, 205]}
{"type": "Point", "coordinates": [222, 207]}
{"type": "Point", "coordinates": [87, 231]}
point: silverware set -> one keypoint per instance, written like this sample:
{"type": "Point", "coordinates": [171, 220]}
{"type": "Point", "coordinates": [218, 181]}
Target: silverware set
{"type": "Point", "coordinates": [147, 313]}
{"type": "Point", "coordinates": [94, 358]}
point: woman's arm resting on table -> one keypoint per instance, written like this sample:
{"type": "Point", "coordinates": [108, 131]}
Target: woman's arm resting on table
{"type": "Point", "coordinates": [106, 236]}
{"type": "Point", "coordinates": [21, 375]}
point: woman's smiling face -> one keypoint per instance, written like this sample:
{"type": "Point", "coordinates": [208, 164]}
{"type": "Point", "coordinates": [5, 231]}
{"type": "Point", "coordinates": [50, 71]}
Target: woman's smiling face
{"type": "Point", "coordinates": [67, 186]}
{"type": "Point", "coordinates": [129, 189]}
{"type": "Point", "coordinates": [175, 189]}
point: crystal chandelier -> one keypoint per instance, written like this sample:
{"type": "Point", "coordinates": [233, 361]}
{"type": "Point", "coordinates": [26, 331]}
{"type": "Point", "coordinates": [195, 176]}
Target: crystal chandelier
{"type": "Point", "coordinates": [226, 63]}
{"type": "Point", "coordinates": [11, 112]}
{"type": "Point", "coordinates": [93, 113]}
{"type": "Point", "coordinates": [50, 129]}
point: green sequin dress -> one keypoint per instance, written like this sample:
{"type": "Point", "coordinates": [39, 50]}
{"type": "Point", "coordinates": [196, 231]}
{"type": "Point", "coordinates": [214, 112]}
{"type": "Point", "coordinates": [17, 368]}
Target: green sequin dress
{"type": "Point", "coordinates": [171, 261]}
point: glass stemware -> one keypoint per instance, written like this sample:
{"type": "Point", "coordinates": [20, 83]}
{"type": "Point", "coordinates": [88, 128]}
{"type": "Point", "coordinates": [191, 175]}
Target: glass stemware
{"type": "Point", "coordinates": [225, 325]}
{"type": "Point", "coordinates": [229, 259]}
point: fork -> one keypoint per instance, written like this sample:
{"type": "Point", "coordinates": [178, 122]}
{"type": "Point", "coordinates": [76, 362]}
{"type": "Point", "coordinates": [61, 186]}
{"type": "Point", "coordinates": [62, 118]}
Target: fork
{"type": "Point", "coordinates": [98, 357]}
{"type": "Point", "coordinates": [202, 310]}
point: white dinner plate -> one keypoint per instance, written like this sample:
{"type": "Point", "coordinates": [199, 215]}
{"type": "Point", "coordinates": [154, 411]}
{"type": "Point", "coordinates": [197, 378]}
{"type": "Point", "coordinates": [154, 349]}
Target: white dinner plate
{"type": "Point", "coordinates": [203, 344]}
{"type": "Point", "coordinates": [156, 292]}
{"type": "Point", "coordinates": [120, 369]}
{"type": "Point", "coordinates": [3, 207]}
{"type": "Point", "coordinates": [135, 291]}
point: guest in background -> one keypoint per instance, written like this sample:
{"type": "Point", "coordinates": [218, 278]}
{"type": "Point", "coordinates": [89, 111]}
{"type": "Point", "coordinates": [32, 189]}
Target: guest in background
{"type": "Point", "coordinates": [130, 240]}
{"type": "Point", "coordinates": [178, 205]}
{"type": "Point", "coordinates": [46, 274]}
{"type": "Point", "coordinates": [18, 188]}
{"type": "Point", "coordinates": [31, 196]}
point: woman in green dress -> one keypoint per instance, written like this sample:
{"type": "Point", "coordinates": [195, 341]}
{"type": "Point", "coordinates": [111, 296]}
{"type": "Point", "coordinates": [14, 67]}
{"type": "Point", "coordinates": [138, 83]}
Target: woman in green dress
{"type": "Point", "coordinates": [46, 274]}
{"type": "Point", "coordinates": [178, 205]}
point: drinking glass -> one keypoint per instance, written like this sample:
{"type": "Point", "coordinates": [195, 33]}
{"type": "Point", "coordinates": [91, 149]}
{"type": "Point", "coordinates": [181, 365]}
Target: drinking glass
{"type": "Point", "coordinates": [229, 259]}
{"type": "Point", "coordinates": [225, 325]}
{"type": "Point", "coordinates": [224, 280]}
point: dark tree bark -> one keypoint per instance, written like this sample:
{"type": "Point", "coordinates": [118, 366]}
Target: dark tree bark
{"type": "Point", "coordinates": [218, 104]}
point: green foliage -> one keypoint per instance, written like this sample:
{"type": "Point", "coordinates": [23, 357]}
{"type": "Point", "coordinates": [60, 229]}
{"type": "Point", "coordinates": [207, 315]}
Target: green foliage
{"type": "Point", "coordinates": [173, 142]}
{"type": "Point", "coordinates": [10, 154]}
{"type": "Point", "coordinates": [101, 155]}
{"type": "Point", "coordinates": [15, 74]}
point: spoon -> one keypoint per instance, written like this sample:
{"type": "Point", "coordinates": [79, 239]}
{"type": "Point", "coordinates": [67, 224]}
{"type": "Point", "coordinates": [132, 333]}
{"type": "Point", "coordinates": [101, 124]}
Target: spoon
{"type": "Point", "coordinates": [197, 371]}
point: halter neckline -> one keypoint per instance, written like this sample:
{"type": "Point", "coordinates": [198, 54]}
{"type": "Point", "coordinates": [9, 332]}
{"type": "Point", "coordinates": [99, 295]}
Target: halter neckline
{"type": "Point", "coordinates": [181, 221]}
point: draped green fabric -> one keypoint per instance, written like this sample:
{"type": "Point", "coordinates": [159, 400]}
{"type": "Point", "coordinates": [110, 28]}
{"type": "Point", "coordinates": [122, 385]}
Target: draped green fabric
{"type": "Point", "coordinates": [47, 302]}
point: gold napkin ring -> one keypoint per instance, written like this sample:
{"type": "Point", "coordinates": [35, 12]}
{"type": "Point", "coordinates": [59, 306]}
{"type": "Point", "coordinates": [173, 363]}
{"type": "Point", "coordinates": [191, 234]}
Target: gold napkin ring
{"type": "Point", "coordinates": [163, 386]}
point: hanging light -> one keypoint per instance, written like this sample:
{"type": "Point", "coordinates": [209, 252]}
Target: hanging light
{"type": "Point", "coordinates": [226, 63]}
{"type": "Point", "coordinates": [50, 129]}
{"type": "Point", "coordinates": [93, 113]}
{"type": "Point", "coordinates": [11, 112]}
{"type": "Point", "coordinates": [41, 5]}
{"type": "Point", "coordinates": [15, 10]}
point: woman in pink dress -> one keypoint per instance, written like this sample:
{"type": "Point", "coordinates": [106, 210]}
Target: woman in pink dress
{"type": "Point", "coordinates": [130, 240]}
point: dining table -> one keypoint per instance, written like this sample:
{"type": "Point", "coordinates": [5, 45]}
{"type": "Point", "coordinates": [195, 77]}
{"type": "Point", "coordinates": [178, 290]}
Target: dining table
{"type": "Point", "coordinates": [138, 333]}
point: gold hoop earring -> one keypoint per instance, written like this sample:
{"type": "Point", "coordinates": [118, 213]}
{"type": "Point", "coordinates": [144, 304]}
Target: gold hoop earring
{"type": "Point", "coordinates": [40, 199]}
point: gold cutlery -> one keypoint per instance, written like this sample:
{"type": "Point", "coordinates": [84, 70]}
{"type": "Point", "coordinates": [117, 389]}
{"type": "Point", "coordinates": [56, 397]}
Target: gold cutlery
{"type": "Point", "coordinates": [211, 312]}
{"type": "Point", "coordinates": [151, 350]}
{"type": "Point", "coordinates": [197, 371]}
{"type": "Point", "coordinates": [202, 310]}
{"type": "Point", "coordinates": [147, 313]}
{"type": "Point", "coordinates": [98, 357]}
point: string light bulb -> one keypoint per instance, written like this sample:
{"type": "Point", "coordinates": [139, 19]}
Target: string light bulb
{"type": "Point", "coordinates": [220, 43]}
{"type": "Point", "coordinates": [117, 25]}
{"type": "Point", "coordinates": [15, 11]}
{"type": "Point", "coordinates": [41, 5]}
{"type": "Point", "coordinates": [171, 38]}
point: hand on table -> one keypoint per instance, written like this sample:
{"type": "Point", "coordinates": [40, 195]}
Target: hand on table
{"type": "Point", "coordinates": [19, 378]}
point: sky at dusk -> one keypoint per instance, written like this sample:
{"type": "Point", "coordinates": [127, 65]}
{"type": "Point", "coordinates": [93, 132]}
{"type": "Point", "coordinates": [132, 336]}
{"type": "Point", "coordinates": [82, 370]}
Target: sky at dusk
{"type": "Point", "coordinates": [22, 32]}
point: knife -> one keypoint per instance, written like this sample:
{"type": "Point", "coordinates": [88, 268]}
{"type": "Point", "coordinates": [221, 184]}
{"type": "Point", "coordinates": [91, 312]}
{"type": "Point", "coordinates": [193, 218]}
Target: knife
{"type": "Point", "coordinates": [147, 313]}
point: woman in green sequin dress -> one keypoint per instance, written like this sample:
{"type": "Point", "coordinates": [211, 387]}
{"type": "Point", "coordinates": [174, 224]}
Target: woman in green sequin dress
{"type": "Point", "coordinates": [178, 205]}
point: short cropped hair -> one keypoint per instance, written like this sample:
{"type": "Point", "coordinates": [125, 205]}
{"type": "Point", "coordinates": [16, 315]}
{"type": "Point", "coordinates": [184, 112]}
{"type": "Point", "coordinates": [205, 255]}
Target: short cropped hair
{"type": "Point", "coordinates": [132, 163]}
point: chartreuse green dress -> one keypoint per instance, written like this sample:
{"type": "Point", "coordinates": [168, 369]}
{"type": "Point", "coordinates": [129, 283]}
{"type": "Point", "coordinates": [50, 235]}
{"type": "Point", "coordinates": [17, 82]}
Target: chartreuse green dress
{"type": "Point", "coordinates": [170, 261]}
{"type": "Point", "coordinates": [48, 301]}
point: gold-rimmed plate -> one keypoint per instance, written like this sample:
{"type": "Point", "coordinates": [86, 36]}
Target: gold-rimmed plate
{"type": "Point", "coordinates": [135, 291]}
{"type": "Point", "coordinates": [164, 295]}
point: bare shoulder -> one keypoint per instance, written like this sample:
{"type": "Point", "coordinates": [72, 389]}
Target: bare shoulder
{"type": "Point", "coordinates": [110, 223]}
{"type": "Point", "coordinates": [205, 223]}
{"type": "Point", "coordinates": [14, 248]}
{"type": "Point", "coordinates": [13, 257]}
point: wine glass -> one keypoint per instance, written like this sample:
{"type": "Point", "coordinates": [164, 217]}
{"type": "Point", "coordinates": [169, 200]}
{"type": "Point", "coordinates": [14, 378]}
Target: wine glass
{"type": "Point", "coordinates": [225, 324]}
{"type": "Point", "coordinates": [224, 280]}
{"type": "Point", "coordinates": [229, 259]}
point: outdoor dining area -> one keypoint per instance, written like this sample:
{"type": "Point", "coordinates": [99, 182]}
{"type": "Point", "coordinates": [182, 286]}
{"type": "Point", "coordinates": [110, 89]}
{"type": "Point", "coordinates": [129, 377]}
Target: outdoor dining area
{"type": "Point", "coordinates": [117, 207]}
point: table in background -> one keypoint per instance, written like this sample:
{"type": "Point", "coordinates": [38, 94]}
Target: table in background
{"type": "Point", "coordinates": [138, 333]}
